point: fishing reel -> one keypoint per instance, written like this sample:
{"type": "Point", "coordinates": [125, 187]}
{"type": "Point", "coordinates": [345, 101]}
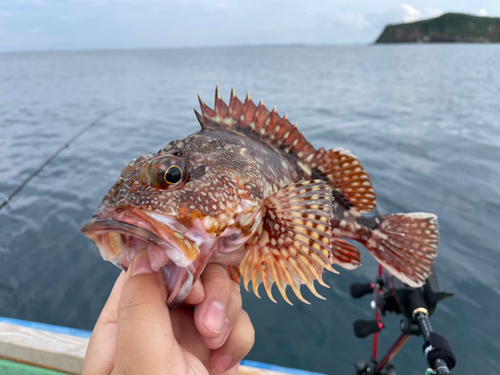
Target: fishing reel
{"type": "Point", "coordinates": [416, 305]}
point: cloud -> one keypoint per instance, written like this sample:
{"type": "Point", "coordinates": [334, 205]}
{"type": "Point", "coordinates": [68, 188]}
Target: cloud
{"type": "Point", "coordinates": [483, 13]}
{"type": "Point", "coordinates": [411, 14]}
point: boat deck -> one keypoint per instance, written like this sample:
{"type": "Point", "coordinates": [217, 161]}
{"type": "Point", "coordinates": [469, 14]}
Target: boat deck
{"type": "Point", "coordinates": [29, 348]}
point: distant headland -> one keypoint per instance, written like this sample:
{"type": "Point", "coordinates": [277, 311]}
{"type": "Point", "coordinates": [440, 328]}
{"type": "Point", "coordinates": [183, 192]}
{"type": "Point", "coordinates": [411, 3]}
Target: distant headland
{"type": "Point", "coordinates": [448, 28]}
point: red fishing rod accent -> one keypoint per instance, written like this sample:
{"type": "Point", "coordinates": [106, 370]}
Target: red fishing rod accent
{"type": "Point", "coordinates": [392, 351]}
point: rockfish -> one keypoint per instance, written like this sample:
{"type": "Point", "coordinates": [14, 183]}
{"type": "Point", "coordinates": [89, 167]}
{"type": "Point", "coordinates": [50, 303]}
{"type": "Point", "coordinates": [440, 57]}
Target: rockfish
{"type": "Point", "coordinates": [249, 192]}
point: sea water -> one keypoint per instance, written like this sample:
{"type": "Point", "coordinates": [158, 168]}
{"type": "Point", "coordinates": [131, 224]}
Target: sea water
{"type": "Point", "coordinates": [423, 119]}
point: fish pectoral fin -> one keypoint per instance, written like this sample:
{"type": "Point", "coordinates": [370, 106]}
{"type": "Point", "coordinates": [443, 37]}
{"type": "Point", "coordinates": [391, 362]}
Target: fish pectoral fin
{"type": "Point", "coordinates": [345, 174]}
{"type": "Point", "coordinates": [291, 246]}
{"type": "Point", "coordinates": [406, 245]}
{"type": "Point", "coordinates": [345, 254]}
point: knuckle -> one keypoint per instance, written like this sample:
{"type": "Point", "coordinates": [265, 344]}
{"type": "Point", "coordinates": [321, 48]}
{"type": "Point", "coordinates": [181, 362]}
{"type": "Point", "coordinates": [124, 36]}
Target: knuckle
{"type": "Point", "coordinates": [214, 269]}
{"type": "Point", "coordinates": [236, 295]}
{"type": "Point", "coordinates": [251, 337]}
{"type": "Point", "coordinates": [248, 337]}
{"type": "Point", "coordinates": [246, 343]}
{"type": "Point", "coordinates": [221, 280]}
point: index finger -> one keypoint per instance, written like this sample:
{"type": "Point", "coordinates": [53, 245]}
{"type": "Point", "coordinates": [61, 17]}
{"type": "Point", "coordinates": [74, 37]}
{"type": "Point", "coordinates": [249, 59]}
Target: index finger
{"type": "Point", "coordinates": [145, 340]}
{"type": "Point", "coordinates": [100, 355]}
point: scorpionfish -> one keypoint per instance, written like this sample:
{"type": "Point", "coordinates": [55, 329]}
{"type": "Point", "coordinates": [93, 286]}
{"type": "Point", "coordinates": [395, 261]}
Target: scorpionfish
{"type": "Point", "coordinates": [249, 192]}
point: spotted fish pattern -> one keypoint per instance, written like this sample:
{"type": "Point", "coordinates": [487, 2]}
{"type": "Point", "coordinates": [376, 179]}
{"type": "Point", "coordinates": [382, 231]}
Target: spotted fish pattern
{"type": "Point", "coordinates": [250, 192]}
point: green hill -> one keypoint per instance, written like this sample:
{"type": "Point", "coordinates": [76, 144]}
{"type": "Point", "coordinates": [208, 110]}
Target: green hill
{"type": "Point", "coordinates": [450, 27]}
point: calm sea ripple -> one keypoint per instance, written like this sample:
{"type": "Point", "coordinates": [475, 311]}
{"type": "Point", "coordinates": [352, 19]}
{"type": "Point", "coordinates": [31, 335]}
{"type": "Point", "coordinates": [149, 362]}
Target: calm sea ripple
{"type": "Point", "coordinates": [423, 119]}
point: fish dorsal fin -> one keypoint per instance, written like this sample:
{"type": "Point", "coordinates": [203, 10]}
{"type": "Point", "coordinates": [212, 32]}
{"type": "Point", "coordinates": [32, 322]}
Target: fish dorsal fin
{"type": "Point", "coordinates": [255, 120]}
{"type": "Point", "coordinates": [338, 167]}
{"type": "Point", "coordinates": [291, 246]}
{"type": "Point", "coordinates": [345, 174]}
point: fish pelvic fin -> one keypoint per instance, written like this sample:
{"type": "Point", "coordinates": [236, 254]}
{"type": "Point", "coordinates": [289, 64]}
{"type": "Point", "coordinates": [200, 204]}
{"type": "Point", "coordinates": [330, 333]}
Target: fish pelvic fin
{"type": "Point", "coordinates": [346, 176]}
{"type": "Point", "coordinates": [256, 121]}
{"type": "Point", "coordinates": [406, 245]}
{"type": "Point", "coordinates": [291, 246]}
{"type": "Point", "coordinates": [233, 272]}
{"type": "Point", "coordinates": [345, 254]}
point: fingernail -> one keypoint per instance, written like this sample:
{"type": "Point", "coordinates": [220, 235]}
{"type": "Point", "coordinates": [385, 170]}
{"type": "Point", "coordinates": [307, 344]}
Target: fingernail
{"type": "Point", "coordinates": [219, 341]}
{"type": "Point", "coordinates": [198, 287]}
{"type": "Point", "coordinates": [214, 317]}
{"type": "Point", "coordinates": [221, 363]}
{"type": "Point", "coordinates": [140, 264]}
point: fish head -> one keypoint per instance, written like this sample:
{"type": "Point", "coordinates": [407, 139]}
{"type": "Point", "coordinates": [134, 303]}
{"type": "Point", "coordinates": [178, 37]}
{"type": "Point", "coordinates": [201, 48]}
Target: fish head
{"type": "Point", "coordinates": [185, 205]}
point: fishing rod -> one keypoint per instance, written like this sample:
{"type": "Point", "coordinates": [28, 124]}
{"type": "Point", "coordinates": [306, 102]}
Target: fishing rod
{"type": "Point", "coordinates": [52, 157]}
{"type": "Point", "coordinates": [416, 305]}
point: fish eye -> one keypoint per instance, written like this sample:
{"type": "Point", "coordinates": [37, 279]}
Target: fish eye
{"type": "Point", "coordinates": [167, 172]}
{"type": "Point", "coordinates": [173, 175]}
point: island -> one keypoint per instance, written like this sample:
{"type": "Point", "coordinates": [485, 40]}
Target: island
{"type": "Point", "coordinates": [447, 28]}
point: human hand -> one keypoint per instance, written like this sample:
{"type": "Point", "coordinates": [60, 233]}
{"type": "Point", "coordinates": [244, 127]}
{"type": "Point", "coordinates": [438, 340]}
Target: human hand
{"type": "Point", "coordinates": [137, 334]}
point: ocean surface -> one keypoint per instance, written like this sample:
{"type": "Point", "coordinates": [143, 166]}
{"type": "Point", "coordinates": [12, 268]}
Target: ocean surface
{"type": "Point", "coordinates": [423, 119]}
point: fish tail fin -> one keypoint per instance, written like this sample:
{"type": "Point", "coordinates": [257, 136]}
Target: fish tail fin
{"type": "Point", "coordinates": [405, 244]}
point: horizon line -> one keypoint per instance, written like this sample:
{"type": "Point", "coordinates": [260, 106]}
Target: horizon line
{"type": "Point", "coordinates": [100, 49]}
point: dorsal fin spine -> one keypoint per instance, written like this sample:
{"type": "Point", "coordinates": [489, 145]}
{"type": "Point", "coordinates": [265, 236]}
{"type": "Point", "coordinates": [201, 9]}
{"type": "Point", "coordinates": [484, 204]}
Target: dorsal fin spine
{"type": "Point", "coordinates": [302, 155]}
{"type": "Point", "coordinates": [293, 135]}
{"type": "Point", "coordinates": [277, 128]}
{"type": "Point", "coordinates": [294, 143]}
{"type": "Point", "coordinates": [220, 107]}
{"type": "Point", "coordinates": [202, 104]}
{"type": "Point", "coordinates": [268, 124]}
{"type": "Point", "coordinates": [286, 135]}
{"type": "Point", "coordinates": [284, 139]}
{"type": "Point", "coordinates": [262, 130]}
{"type": "Point", "coordinates": [294, 148]}
{"type": "Point", "coordinates": [248, 110]}
{"type": "Point", "coordinates": [271, 122]}
{"type": "Point", "coordinates": [217, 100]}
{"type": "Point", "coordinates": [255, 124]}
{"type": "Point", "coordinates": [199, 117]}
{"type": "Point", "coordinates": [232, 102]}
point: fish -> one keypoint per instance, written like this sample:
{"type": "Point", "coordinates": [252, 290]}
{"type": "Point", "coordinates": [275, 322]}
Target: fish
{"type": "Point", "coordinates": [249, 192]}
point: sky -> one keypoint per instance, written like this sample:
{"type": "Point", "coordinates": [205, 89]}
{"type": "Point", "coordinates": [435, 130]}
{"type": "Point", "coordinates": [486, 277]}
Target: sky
{"type": "Point", "coordinates": [99, 24]}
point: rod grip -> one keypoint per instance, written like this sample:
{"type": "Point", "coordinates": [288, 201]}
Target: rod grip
{"type": "Point", "coordinates": [363, 328]}
{"type": "Point", "coordinates": [359, 290]}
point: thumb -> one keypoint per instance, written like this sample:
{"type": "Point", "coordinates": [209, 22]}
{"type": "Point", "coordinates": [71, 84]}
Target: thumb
{"type": "Point", "coordinates": [145, 339]}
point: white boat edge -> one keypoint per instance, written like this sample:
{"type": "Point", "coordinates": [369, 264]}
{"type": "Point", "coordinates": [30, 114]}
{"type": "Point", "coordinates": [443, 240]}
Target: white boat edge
{"type": "Point", "coordinates": [63, 349]}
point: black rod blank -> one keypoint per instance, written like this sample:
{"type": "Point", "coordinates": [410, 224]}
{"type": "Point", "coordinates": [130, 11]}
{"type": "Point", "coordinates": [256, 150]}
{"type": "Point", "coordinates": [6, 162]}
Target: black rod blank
{"type": "Point", "coordinates": [52, 157]}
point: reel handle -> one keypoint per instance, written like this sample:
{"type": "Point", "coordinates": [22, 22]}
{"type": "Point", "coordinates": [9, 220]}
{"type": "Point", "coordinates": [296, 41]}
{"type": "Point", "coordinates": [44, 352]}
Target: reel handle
{"type": "Point", "coordinates": [359, 290]}
{"type": "Point", "coordinates": [364, 328]}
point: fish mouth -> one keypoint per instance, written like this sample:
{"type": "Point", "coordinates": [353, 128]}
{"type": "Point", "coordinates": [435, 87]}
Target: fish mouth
{"type": "Point", "coordinates": [121, 234]}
